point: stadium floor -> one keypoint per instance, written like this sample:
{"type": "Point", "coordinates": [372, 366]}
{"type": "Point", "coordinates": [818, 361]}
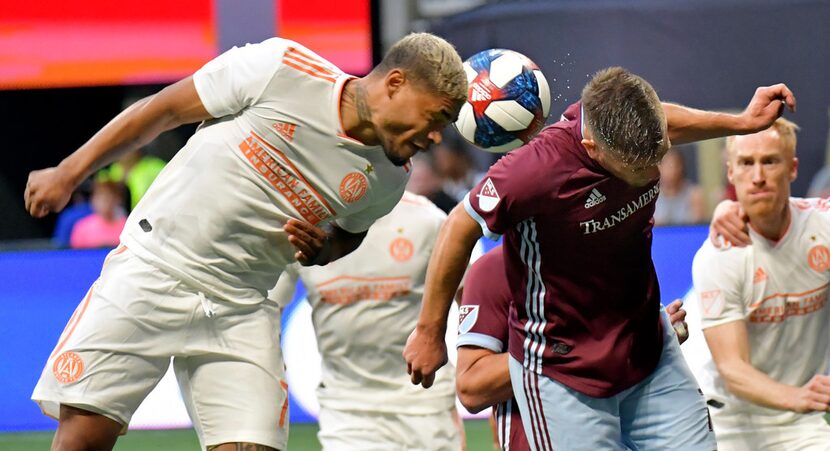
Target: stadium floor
{"type": "Point", "coordinates": [303, 437]}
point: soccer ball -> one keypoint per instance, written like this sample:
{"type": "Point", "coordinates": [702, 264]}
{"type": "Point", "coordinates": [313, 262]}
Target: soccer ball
{"type": "Point", "coordinates": [508, 100]}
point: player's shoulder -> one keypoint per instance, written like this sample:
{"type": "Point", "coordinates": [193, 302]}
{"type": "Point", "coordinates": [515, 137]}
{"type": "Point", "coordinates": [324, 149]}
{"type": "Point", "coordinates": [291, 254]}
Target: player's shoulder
{"type": "Point", "coordinates": [725, 259]}
{"type": "Point", "coordinates": [418, 208]}
{"type": "Point", "coordinates": [808, 207]}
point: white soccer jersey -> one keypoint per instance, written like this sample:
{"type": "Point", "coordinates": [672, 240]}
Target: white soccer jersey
{"type": "Point", "coordinates": [277, 150]}
{"type": "Point", "coordinates": [364, 307]}
{"type": "Point", "coordinates": [780, 290]}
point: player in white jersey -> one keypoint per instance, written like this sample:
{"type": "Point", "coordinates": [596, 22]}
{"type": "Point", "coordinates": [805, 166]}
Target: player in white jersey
{"type": "Point", "coordinates": [294, 160]}
{"type": "Point", "coordinates": [363, 307]}
{"type": "Point", "coordinates": [763, 307]}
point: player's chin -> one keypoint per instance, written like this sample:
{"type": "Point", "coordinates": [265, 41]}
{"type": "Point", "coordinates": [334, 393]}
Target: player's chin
{"type": "Point", "coordinates": [396, 158]}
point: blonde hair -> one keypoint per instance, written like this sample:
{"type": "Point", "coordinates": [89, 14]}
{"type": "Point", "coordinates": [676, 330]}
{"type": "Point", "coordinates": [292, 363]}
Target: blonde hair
{"type": "Point", "coordinates": [624, 113]}
{"type": "Point", "coordinates": [429, 60]}
{"type": "Point", "coordinates": [786, 130]}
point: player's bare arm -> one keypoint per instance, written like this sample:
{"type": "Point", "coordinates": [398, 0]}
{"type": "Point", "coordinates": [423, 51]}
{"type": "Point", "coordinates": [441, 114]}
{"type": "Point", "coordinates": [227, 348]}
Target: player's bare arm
{"type": "Point", "coordinates": [49, 190]}
{"type": "Point", "coordinates": [425, 349]}
{"type": "Point", "coordinates": [731, 224]}
{"type": "Point", "coordinates": [730, 350]}
{"type": "Point", "coordinates": [240, 447]}
{"type": "Point", "coordinates": [688, 124]}
{"type": "Point", "coordinates": [482, 378]}
{"type": "Point", "coordinates": [316, 246]}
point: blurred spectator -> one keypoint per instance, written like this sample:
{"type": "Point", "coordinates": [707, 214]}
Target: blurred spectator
{"type": "Point", "coordinates": [426, 181]}
{"type": "Point", "coordinates": [820, 185]}
{"type": "Point", "coordinates": [455, 165]}
{"type": "Point", "coordinates": [680, 200]}
{"type": "Point", "coordinates": [79, 208]}
{"type": "Point", "coordinates": [103, 227]}
{"type": "Point", "coordinates": [136, 171]}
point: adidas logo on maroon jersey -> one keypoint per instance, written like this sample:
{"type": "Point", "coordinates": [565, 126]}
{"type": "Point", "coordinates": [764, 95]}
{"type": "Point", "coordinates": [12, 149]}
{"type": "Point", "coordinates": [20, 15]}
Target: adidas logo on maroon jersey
{"type": "Point", "coordinates": [594, 199]}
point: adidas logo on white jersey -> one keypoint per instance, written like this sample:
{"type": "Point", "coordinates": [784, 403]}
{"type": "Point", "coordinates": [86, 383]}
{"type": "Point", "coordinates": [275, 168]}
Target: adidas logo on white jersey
{"type": "Point", "coordinates": [594, 199]}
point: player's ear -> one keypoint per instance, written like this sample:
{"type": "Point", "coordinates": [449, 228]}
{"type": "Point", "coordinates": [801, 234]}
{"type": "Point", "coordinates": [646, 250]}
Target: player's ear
{"type": "Point", "coordinates": [590, 147]}
{"type": "Point", "coordinates": [729, 172]}
{"type": "Point", "coordinates": [394, 81]}
{"type": "Point", "coordinates": [794, 170]}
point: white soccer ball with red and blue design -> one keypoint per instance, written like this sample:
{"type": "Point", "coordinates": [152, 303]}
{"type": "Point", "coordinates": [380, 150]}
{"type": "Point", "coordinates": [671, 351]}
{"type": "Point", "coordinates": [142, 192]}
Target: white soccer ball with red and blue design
{"type": "Point", "coordinates": [508, 100]}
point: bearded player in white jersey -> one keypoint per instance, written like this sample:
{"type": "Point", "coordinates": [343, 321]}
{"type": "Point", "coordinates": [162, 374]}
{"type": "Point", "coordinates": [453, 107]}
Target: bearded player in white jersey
{"type": "Point", "coordinates": [763, 307]}
{"type": "Point", "coordinates": [294, 161]}
{"type": "Point", "coordinates": [363, 307]}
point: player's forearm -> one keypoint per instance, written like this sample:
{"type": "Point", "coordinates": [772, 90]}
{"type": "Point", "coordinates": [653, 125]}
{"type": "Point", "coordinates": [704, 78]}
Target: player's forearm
{"type": "Point", "coordinates": [746, 382]}
{"type": "Point", "coordinates": [447, 264]}
{"type": "Point", "coordinates": [485, 383]}
{"type": "Point", "coordinates": [689, 125]}
{"type": "Point", "coordinates": [135, 127]}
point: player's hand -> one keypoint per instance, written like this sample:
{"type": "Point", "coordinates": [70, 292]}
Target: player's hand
{"type": "Point", "coordinates": [425, 353]}
{"type": "Point", "coordinates": [766, 106]}
{"type": "Point", "coordinates": [311, 242]}
{"type": "Point", "coordinates": [730, 225]}
{"type": "Point", "coordinates": [48, 190]}
{"type": "Point", "coordinates": [814, 396]}
{"type": "Point", "coordinates": [677, 318]}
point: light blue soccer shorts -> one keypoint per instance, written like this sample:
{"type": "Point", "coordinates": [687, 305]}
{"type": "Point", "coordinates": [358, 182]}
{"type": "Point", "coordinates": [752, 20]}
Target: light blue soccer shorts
{"type": "Point", "coordinates": [666, 411]}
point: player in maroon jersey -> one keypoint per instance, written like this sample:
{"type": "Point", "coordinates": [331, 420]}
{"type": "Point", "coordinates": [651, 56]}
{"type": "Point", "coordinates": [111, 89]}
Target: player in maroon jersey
{"type": "Point", "coordinates": [483, 378]}
{"type": "Point", "coordinates": [575, 205]}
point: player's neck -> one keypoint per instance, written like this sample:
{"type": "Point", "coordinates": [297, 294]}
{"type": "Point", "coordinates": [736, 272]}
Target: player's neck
{"type": "Point", "coordinates": [772, 227]}
{"type": "Point", "coordinates": [355, 114]}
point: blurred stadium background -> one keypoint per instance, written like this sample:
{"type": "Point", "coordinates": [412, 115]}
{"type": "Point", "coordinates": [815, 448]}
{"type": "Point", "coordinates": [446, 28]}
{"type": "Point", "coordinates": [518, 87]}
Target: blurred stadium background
{"type": "Point", "coordinates": [68, 67]}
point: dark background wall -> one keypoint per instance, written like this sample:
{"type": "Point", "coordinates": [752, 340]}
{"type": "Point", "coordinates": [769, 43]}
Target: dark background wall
{"type": "Point", "coordinates": [701, 53]}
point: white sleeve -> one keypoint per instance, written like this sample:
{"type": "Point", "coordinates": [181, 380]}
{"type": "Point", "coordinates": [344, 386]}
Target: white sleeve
{"type": "Point", "coordinates": [719, 279]}
{"type": "Point", "coordinates": [237, 78]}
{"type": "Point", "coordinates": [363, 219]}
{"type": "Point", "coordinates": [283, 291]}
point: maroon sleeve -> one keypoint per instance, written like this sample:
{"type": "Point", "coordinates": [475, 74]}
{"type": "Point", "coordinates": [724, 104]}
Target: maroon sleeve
{"type": "Point", "coordinates": [485, 300]}
{"type": "Point", "coordinates": [527, 179]}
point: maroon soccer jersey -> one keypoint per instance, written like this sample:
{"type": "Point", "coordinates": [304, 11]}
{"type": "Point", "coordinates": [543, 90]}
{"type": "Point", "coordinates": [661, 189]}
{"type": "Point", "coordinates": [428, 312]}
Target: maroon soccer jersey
{"type": "Point", "coordinates": [483, 322]}
{"type": "Point", "coordinates": [578, 261]}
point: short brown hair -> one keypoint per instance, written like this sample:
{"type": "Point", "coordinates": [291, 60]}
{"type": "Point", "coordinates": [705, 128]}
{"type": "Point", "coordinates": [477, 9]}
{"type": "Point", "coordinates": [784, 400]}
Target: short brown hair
{"type": "Point", "coordinates": [624, 114]}
{"type": "Point", "coordinates": [430, 60]}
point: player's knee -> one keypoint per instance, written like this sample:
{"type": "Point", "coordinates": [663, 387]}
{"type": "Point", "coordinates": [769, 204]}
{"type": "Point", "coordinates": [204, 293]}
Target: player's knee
{"type": "Point", "coordinates": [82, 441]}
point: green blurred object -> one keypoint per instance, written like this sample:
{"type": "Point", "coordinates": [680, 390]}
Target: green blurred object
{"type": "Point", "coordinates": [139, 177]}
{"type": "Point", "coordinates": [302, 437]}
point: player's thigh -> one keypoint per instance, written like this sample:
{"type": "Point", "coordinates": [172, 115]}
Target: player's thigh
{"type": "Point", "coordinates": [667, 410]}
{"type": "Point", "coordinates": [110, 354]}
{"type": "Point", "coordinates": [445, 431]}
{"type": "Point", "coordinates": [556, 417]}
{"type": "Point", "coordinates": [346, 430]}
{"type": "Point", "coordinates": [235, 389]}
{"type": "Point", "coordinates": [809, 433]}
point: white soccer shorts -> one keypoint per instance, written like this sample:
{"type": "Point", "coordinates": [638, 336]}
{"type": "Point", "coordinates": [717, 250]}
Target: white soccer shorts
{"type": "Point", "coordinates": [342, 430]}
{"type": "Point", "coordinates": [741, 432]}
{"type": "Point", "coordinates": [119, 342]}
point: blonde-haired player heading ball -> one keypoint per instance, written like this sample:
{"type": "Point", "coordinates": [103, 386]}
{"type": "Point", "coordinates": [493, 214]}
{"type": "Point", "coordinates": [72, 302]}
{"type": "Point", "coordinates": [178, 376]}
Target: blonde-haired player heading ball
{"type": "Point", "coordinates": [763, 307]}
{"type": "Point", "coordinates": [288, 144]}
{"type": "Point", "coordinates": [363, 308]}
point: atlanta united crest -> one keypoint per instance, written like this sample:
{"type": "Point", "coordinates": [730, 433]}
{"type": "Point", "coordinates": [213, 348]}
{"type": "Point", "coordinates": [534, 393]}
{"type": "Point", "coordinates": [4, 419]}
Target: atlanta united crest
{"type": "Point", "coordinates": [488, 197]}
{"type": "Point", "coordinates": [353, 187]}
{"type": "Point", "coordinates": [467, 317]}
{"type": "Point", "coordinates": [68, 367]}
